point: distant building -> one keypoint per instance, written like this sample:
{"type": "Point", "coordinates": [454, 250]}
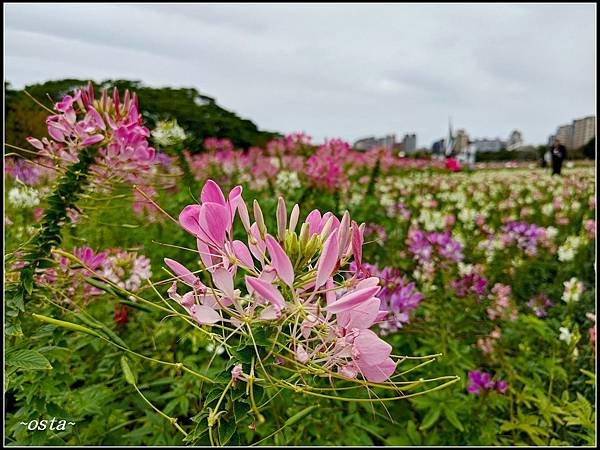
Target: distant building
{"type": "Point", "coordinates": [564, 134]}
{"type": "Point", "coordinates": [388, 142]}
{"type": "Point", "coordinates": [409, 143]}
{"type": "Point", "coordinates": [489, 145]}
{"type": "Point", "coordinates": [515, 140]}
{"type": "Point", "coordinates": [461, 141]}
{"type": "Point", "coordinates": [584, 130]}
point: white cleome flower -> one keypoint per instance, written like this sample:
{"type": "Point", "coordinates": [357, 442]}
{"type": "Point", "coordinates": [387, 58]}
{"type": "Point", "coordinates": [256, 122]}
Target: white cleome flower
{"type": "Point", "coordinates": [24, 197]}
{"type": "Point", "coordinates": [168, 132]}
{"type": "Point", "coordinates": [573, 290]}
{"type": "Point", "coordinates": [565, 335]}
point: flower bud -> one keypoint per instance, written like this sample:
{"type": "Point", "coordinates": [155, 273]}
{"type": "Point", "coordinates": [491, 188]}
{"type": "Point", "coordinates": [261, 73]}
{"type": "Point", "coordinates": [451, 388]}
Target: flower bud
{"type": "Point", "coordinates": [281, 219]}
{"type": "Point", "coordinates": [303, 235]}
{"type": "Point", "coordinates": [260, 221]}
{"type": "Point", "coordinates": [294, 218]}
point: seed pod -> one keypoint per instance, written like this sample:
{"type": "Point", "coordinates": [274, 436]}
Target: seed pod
{"type": "Point", "coordinates": [129, 376]}
{"type": "Point", "coordinates": [299, 416]}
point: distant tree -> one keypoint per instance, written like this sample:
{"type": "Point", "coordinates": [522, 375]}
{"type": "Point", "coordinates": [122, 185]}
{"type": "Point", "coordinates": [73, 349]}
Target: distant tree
{"type": "Point", "coordinates": [589, 149]}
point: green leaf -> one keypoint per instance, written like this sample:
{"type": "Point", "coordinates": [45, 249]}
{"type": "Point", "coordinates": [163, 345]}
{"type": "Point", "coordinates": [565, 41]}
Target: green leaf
{"type": "Point", "coordinates": [413, 434]}
{"type": "Point", "coordinates": [28, 360]}
{"type": "Point", "coordinates": [453, 419]}
{"type": "Point", "coordinates": [430, 418]}
{"type": "Point", "coordinates": [226, 431]}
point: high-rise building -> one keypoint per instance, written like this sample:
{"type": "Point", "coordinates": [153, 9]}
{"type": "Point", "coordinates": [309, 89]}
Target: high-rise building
{"type": "Point", "coordinates": [564, 134]}
{"type": "Point", "coordinates": [409, 143]}
{"type": "Point", "coordinates": [515, 140]}
{"type": "Point", "coordinates": [370, 142]}
{"type": "Point", "coordinates": [584, 130]}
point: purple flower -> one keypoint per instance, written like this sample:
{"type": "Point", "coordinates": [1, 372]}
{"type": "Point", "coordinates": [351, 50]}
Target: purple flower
{"type": "Point", "coordinates": [481, 383]}
{"type": "Point", "coordinates": [426, 246]}
{"type": "Point", "coordinates": [398, 296]}
{"type": "Point", "coordinates": [524, 235]}
{"type": "Point", "coordinates": [539, 304]}
{"type": "Point", "coordinates": [471, 284]}
{"type": "Point", "coordinates": [501, 386]}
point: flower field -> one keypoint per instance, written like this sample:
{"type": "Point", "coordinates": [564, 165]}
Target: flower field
{"type": "Point", "coordinates": [297, 294]}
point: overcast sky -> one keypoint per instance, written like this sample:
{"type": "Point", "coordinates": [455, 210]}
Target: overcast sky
{"type": "Point", "coordinates": [331, 70]}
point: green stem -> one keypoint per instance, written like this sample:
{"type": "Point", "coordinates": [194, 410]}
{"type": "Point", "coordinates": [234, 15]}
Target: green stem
{"type": "Point", "coordinates": [68, 190]}
{"type": "Point", "coordinates": [173, 420]}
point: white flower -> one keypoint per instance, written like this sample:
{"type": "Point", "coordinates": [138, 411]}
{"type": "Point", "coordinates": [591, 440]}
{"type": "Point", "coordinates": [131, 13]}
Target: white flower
{"type": "Point", "coordinates": [548, 209]}
{"type": "Point", "coordinates": [565, 335]}
{"type": "Point", "coordinates": [219, 349]}
{"type": "Point", "coordinates": [573, 290]}
{"type": "Point", "coordinates": [568, 250]}
{"type": "Point", "coordinates": [287, 181]}
{"type": "Point", "coordinates": [465, 269]}
{"type": "Point", "coordinates": [24, 197]}
{"type": "Point", "coordinates": [168, 132]}
{"type": "Point", "coordinates": [551, 232]}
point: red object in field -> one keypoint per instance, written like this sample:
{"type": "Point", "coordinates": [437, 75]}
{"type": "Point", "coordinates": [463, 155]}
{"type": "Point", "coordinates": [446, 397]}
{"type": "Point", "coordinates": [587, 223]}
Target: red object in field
{"type": "Point", "coordinates": [120, 316]}
{"type": "Point", "coordinates": [452, 164]}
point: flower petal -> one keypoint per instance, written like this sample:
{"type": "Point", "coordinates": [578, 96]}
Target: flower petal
{"type": "Point", "coordinates": [213, 220]}
{"type": "Point", "coordinates": [211, 192]}
{"type": "Point", "coordinates": [188, 219]}
{"type": "Point", "coordinates": [327, 260]}
{"type": "Point", "coordinates": [354, 298]}
{"type": "Point", "coordinates": [182, 272]}
{"type": "Point", "coordinates": [380, 372]}
{"type": "Point", "coordinates": [280, 261]}
{"type": "Point", "coordinates": [204, 315]}
{"type": "Point", "coordinates": [242, 253]}
{"type": "Point", "coordinates": [223, 280]}
{"type": "Point", "coordinates": [266, 290]}
{"type": "Point", "coordinates": [371, 348]}
{"type": "Point", "coordinates": [361, 316]}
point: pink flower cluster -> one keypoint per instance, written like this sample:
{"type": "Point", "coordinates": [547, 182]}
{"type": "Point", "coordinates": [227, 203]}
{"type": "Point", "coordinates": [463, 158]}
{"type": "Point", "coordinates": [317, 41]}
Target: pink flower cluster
{"type": "Point", "coordinates": [125, 269]}
{"type": "Point", "coordinates": [487, 344]}
{"type": "Point", "coordinates": [218, 145]}
{"type": "Point", "coordinates": [114, 124]}
{"type": "Point", "coordinates": [289, 278]}
{"type": "Point", "coordinates": [590, 228]}
{"type": "Point", "coordinates": [501, 306]}
{"type": "Point", "coordinates": [327, 166]}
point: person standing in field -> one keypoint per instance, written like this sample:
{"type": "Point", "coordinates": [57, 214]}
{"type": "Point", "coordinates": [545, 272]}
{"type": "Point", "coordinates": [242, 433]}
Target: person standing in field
{"type": "Point", "coordinates": [559, 153]}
